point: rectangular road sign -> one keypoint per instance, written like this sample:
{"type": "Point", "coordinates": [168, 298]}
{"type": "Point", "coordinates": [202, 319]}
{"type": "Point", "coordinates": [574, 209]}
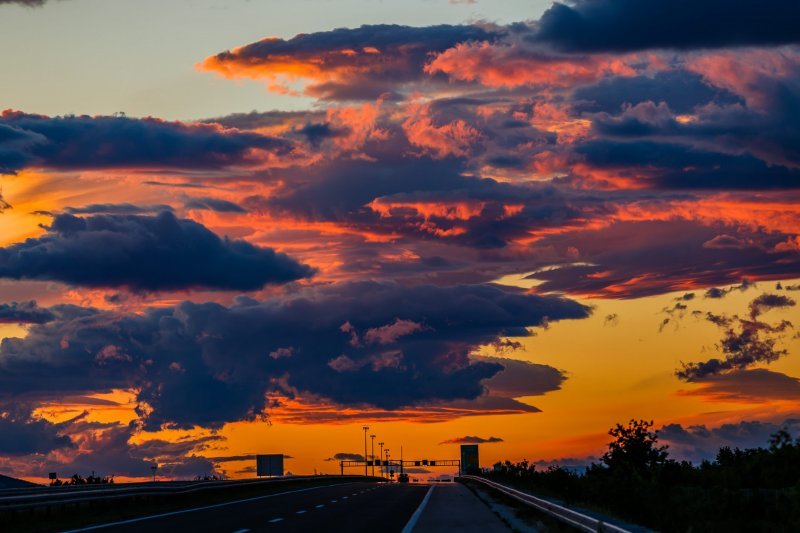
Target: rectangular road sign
{"type": "Point", "coordinates": [269, 465]}
{"type": "Point", "coordinates": [469, 459]}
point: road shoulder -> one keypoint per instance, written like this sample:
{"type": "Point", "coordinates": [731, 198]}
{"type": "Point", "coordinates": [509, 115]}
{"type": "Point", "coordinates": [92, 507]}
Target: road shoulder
{"type": "Point", "coordinates": [453, 507]}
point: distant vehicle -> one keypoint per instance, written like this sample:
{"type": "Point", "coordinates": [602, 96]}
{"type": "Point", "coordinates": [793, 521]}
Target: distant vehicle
{"type": "Point", "coordinates": [402, 478]}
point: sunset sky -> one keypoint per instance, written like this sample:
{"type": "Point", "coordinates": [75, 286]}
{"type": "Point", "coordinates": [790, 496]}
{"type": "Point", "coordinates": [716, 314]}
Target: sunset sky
{"type": "Point", "coordinates": [231, 227]}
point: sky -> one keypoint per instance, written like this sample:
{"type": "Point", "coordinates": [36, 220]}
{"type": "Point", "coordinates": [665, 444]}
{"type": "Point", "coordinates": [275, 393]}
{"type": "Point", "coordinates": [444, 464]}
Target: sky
{"type": "Point", "coordinates": [242, 227]}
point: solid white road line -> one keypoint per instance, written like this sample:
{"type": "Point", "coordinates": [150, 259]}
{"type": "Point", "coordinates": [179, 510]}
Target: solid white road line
{"type": "Point", "coordinates": [412, 522]}
{"type": "Point", "coordinates": [204, 508]}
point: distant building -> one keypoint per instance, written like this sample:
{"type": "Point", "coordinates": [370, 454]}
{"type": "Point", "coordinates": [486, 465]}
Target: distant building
{"type": "Point", "coordinates": [470, 463]}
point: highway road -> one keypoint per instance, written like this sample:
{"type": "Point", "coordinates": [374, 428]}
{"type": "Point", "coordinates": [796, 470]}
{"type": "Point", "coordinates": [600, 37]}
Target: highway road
{"type": "Point", "coordinates": [350, 507]}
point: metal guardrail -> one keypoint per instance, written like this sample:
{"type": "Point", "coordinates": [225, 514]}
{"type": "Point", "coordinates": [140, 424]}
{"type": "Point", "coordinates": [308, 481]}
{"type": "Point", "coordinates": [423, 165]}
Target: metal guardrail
{"type": "Point", "coordinates": [69, 497]}
{"type": "Point", "coordinates": [577, 520]}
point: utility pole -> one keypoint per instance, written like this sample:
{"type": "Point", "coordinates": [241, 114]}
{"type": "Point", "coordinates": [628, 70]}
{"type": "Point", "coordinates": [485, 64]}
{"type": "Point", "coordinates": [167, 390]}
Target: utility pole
{"type": "Point", "coordinates": [154, 468]}
{"type": "Point", "coordinates": [365, 428]}
{"type": "Point", "coordinates": [383, 470]}
{"type": "Point", "coordinates": [372, 453]}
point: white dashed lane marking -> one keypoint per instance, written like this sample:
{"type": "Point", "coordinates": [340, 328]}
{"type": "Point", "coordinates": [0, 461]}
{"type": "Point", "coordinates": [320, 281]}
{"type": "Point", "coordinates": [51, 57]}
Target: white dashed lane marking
{"type": "Point", "coordinates": [302, 511]}
{"type": "Point", "coordinates": [276, 520]}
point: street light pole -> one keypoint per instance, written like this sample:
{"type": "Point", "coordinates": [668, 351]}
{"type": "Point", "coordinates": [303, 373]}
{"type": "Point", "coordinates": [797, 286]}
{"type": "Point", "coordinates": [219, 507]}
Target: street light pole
{"type": "Point", "coordinates": [365, 428]}
{"type": "Point", "coordinates": [372, 453]}
{"type": "Point", "coordinates": [383, 470]}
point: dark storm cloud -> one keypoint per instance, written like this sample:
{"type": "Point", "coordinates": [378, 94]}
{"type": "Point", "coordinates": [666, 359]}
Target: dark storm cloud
{"type": "Point", "coordinates": [681, 90]}
{"type": "Point", "coordinates": [345, 187]}
{"type": "Point", "coordinates": [641, 258]}
{"type": "Point", "coordinates": [107, 449]}
{"type": "Point", "coordinates": [745, 341]}
{"type": "Point", "coordinates": [344, 456]}
{"type": "Point", "coordinates": [472, 440]}
{"type": "Point", "coordinates": [21, 433]}
{"type": "Point", "coordinates": [719, 292]}
{"type": "Point", "coordinates": [696, 443]}
{"type": "Point", "coordinates": [84, 142]}
{"type": "Point", "coordinates": [627, 25]}
{"type": "Point", "coordinates": [267, 119]}
{"type": "Point", "coordinates": [24, 313]}
{"type": "Point", "coordinates": [206, 364]}
{"type": "Point", "coordinates": [765, 129]}
{"type": "Point", "coordinates": [145, 253]}
{"type": "Point", "coordinates": [361, 63]}
{"type": "Point", "coordinates": [117, 209]}
{"type": "Point", "coordinates": [389, 196]}
{"type": "Point", "coordinates": [765, 302]}
{"type": "Point", "coordinates": [669, 165]}
{"type": "Point", "coordinates": [389, 37]}
{"type": "Point", "coordinates": [754, 385]}
{"type": "Point", "coordinates": [315, 133]}
{"type": "Point", "coordinates": [213, 204]}
{"type": "Point", "coordinates": [427, 412]}
{"type": "Point", "coordinates": [522, 378]}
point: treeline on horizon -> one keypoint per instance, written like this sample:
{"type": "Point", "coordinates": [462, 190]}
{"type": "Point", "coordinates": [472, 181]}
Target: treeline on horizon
{"type": "Point", "coordinates": [755, 489]}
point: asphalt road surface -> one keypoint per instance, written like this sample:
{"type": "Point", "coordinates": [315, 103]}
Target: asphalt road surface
{"type": "Point", "coordinates": [350, 507]}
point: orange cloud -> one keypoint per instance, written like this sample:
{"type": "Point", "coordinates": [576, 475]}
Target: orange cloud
{"type": "Point", "coordinates": [310, 411]}
{"type": "Point", "coordinates": [774, 212]}
{"type": "Point", "coordinates": [456, 210]}
{"type": "Point", "coordinates": [454, 139]}
{"type": "Point", "coordinates": [744, 72]}
{"type": "Point", "coordinates": [511, 66]}
{"type": "Point", "coordinates": [359, 123]}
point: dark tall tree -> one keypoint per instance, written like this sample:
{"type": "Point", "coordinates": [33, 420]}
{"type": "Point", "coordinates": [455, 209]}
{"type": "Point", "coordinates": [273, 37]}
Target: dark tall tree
{"type": "Point", "coordinates": [635, 447]}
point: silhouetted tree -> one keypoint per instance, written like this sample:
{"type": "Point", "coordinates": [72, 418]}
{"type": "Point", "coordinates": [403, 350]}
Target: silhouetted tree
{"type": "Point", "coordinates": [740, 490]}
{"type": "Point", "coordinates": [635, 447]}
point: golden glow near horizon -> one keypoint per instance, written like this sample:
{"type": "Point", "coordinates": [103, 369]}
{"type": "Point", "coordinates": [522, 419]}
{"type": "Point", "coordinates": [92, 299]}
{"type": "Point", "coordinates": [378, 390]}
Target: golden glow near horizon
{"type": "Point", "coordinates": [617, 369]}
